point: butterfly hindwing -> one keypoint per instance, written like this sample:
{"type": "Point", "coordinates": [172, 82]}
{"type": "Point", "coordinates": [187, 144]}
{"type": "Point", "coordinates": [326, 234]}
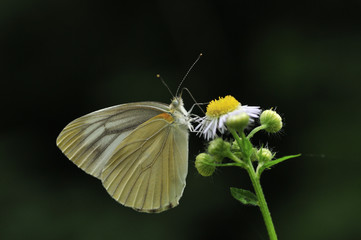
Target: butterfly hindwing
{"type": "Point", "coordinates": [148, 169]}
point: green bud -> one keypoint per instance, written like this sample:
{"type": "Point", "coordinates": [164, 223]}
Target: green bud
{"type": "Point", "coordinates": [203, 166]}
{"type": "Point", "coordinates": [254, 155]}
{"type": "Point", "coordinates": [218, 147]}
{"type": "Point", "coordinates": [271, 120]}
{"type": "Point", "coordinates": [218, 159]}
{"type": "Point", "coordinates": [238, 122]}
{"type": "Point", "coordinates": [264, 155]}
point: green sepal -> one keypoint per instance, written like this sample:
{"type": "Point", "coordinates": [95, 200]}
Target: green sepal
{"type": "Point", "coordinates": [274, 162]}
{"type": "Point", "coordinates": [244, 196]}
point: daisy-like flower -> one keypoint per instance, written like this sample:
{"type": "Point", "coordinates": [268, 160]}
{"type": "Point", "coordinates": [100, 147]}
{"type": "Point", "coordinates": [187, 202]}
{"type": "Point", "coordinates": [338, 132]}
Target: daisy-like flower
{"type": "Point", "coordinates": [217, 114]}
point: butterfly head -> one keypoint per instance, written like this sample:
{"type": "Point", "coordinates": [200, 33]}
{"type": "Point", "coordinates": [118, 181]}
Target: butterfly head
{"type": "Point", "coordinates": [177, 105]}
{"type": "Point", "coordinates": [179, 113]}
{"type": "Point", "coordinates": [176, 102]}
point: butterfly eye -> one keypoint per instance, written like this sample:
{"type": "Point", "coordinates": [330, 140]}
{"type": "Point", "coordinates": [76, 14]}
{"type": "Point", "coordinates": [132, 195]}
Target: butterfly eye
{"type": "Point", "coordinates": [175, 103]}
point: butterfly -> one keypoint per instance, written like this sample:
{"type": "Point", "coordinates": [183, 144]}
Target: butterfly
{"type": "Point", "coordinates": [139, 151]}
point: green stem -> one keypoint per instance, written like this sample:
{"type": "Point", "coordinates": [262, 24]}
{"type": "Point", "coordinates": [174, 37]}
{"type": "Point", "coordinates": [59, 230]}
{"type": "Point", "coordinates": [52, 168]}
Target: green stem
{"type": "Point", "coordinates": [225, 164]}
{"type": "Point", "coordinates": [255, 130]}
{"type": "Point", "coordinates": [256, 181]}
{"type": "Point", "coordinates": [233, 157]}
{"type": "Point", "coordinates": [262, 203]}
{"type": "Point", "coordinates": [238, 139]}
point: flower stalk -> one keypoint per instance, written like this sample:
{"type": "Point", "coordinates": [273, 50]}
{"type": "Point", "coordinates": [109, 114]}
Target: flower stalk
{"type": "Point", "coordinates": [262, 203]}
{"type": "Point", "coordinates": [257, 187]}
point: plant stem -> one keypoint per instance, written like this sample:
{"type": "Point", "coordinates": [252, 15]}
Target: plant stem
{"type": "Point", "coordinates": [225, 164]}
{"type": "Point", "coordinates": [255, 130]}
{"type": "Point", "coordinates": [255, 179]}
{"type": "Point", "coordinates": [238, 139]}
{"type": "Point", "coordinates": [262, 203]}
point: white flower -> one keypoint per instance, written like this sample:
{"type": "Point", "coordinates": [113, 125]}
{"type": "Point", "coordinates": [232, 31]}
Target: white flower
{"type": "Point", "coordinates": [217, 114]}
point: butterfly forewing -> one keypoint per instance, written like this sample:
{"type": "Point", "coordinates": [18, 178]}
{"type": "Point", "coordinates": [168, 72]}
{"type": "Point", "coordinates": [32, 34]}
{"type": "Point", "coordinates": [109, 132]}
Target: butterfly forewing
{"type": "Point", "coordinates": [148, 169]}
{"type": "Point", "coordinates": [90, 141]}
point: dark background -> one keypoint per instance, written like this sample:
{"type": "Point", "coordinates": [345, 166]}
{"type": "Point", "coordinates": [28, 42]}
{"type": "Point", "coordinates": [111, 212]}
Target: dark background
{"type": "Point", "coordinates": [62, 59]}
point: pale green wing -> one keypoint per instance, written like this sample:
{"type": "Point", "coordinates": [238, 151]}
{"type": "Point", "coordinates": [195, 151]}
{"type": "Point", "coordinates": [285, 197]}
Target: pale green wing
{"type": "Point", "coordinates": [90, 141]}
{"type": "Point", "coordinates": [148, 169]}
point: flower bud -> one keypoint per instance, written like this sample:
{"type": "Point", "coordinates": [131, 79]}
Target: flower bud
{"type": "Point", "coordinates": [238, 122]}
{"type": "Point", "coordinates": [218, 147]}
{"type": "Point", "coordinates": [254, 155]}
{"type": "Point", "coordinates": [271, 120]}
{"type": "Point", "coordinates": [203, 164]}
{"type": "Point", "coordinates": [264, 155]}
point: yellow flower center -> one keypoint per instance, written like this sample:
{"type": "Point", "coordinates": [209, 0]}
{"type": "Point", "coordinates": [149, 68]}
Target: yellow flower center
{"type": "Point", "coordinates": [217, 108]}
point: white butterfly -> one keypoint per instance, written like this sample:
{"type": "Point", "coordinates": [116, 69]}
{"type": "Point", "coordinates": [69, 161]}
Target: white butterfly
{"type": "Point", "coordinates": [138, 150]}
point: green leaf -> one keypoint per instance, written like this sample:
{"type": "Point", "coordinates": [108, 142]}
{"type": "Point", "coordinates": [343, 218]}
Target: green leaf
{"type": "Point", "coordinates": [274, 162]}
{"type": "Point", "coordinates": [244, 196]}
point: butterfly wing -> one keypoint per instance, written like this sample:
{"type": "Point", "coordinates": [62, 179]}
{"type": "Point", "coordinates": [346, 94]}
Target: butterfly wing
{"type": "Point", "coordinates": [89, 141]}
{"type": "Point", "coordinates": [148, 169]}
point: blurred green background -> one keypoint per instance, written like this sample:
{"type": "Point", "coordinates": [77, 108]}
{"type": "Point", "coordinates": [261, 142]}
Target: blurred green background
{"type": "Point", "coordinates": [62, 59]}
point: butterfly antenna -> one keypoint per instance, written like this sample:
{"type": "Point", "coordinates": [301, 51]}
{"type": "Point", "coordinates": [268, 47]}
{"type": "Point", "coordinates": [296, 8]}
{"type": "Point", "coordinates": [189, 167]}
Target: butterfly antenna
{"type": "Point", "coordinates": [158, 76]}
{"type": "Point", "coordinates": [195, 102]}
{"type": "Point", "coordinates": [185, 76]}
